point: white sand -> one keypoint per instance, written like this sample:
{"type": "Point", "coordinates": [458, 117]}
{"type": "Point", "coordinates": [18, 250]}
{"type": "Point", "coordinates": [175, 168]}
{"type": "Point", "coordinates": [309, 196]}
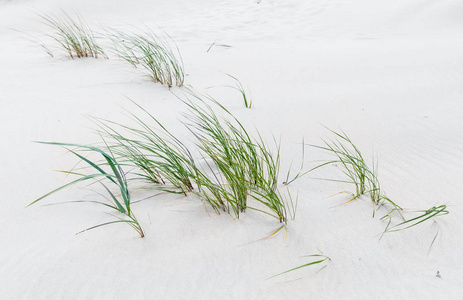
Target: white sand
{"type": "Point", "coordinates": [388, 73]}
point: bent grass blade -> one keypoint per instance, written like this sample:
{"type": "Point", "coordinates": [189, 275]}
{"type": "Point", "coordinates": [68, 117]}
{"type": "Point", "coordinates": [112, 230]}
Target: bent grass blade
{"type": "Point", "coordinates": [117, 177]}
{"type": "Point", "coordinates": [324, 258]}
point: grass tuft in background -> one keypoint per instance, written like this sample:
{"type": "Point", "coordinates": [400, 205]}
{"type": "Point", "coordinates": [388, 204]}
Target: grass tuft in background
{"type": "Point", "coordinates": [73, 35]}
{"type": "Point", "coordinates": [159, 55]}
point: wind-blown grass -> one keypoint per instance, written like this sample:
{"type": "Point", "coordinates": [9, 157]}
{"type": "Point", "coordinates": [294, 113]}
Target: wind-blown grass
{"type": "Point", "coordinates": [114, 177]}
{"type": "Point", "coordinates": [365, 179]}
{"type": "Point", "coordinates": [74, 35]}
{"type": "Point", "coordinates": [351, 160]}
{"type": "Point", "coordinates": [236, 166]}
{"type": "Point", "coordinates": [154, 53]}
{"type": "Point", "coordinates": [159, 155]}
{"type": "Point", "coordinates": [246, 166]}
{"type": "Point", "coordinates": [227, 147]}
{"type": "Point", "coordinates": [354, 167]}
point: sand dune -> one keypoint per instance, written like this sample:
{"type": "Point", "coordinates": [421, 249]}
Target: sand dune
{"type": "Point", "coordinates": [387, 73]}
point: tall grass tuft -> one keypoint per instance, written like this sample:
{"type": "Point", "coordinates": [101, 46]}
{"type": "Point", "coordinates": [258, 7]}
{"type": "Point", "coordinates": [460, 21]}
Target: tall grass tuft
{"type": "Point", "coordinates": [114, 177]}
{"type": "Point", "coordinates": [74, 35]}
{"type": "Point", "coordinates": [242, 166]}
{"type": "Point", "coordinates": [154, 53]}
{"type": "Point", "coordinates": [160, 157]}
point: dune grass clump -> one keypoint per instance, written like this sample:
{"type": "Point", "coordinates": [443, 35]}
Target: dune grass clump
{"type": "Point", "coordinates": [354, 167]}
{"type": "Point", "coordinates": [158, 155]}
{"type": "Point", "coordinates": [152, 52]}
{"type": "Point", "coordinates": [74, 35]}
{"type": "Point", "coordinates": [114, 177]}
{"type": "Point", "coordinates": [242, 166]}
{"type": "Point", "coordinates": [230, 167]}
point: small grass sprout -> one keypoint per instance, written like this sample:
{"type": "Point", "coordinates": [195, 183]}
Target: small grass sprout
{"type": "Point", "coordinates": [424, 215]}
{"type": "Point", "coordinates": [292, 205]}
{"type": "Point", "coordinates": [351, 160]}
{"type": "Point", "coordinates": [239, 87]}
{"type": "Point", "coordinates": [435, 236]}
{"type": "Point", "coordinates": [154, 53]}
{"type": "Point", "coordinates": [74, 35]}
{"type": "Point", "coordinates": [354, 167]}
{"type": "Point", "coordinates": [115, 177]}
{"type": "Point", "coordinates": [219, 45]}
{"type": "Point", "coordinates": [319, 258]}
{"type": "Point", "coordinates": [299, 174]}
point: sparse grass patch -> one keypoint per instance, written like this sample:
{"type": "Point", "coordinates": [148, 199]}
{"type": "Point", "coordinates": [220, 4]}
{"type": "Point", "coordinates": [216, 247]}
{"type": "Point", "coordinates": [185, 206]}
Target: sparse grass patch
{"type": "Point", "coordinates": [365, 179]}
{"type": "Point", "coordinates": [154, 53]}
{"type": "Point", "coordinates": [423, 216]}
{"type": "Point", "coordinates": [354, 167]}
{"type": "Point", "coordinates": [351, 160]}
{"type": "Point", "coordinates": [73, 35]}
{"type": "Point", "coordinates": [108, 179]}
